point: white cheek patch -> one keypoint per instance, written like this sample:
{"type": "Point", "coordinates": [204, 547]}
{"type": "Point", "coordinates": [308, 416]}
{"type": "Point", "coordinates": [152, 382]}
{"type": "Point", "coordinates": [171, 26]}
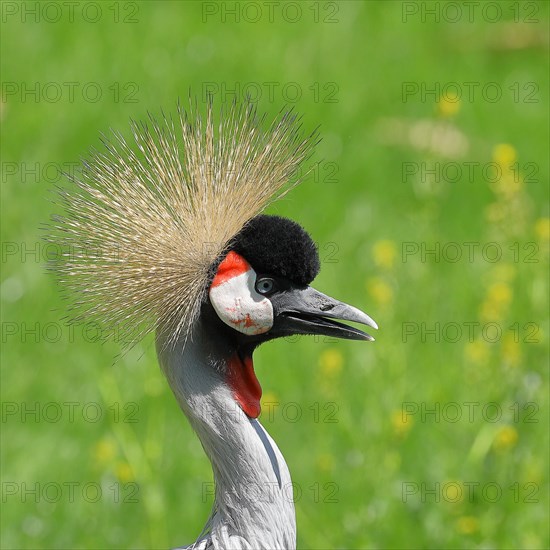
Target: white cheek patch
{"type": "Point", "coordinates": [235, 299]}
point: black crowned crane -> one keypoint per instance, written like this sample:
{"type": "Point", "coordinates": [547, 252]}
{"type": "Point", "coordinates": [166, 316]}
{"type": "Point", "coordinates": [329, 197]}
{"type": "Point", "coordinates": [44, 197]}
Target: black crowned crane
{"type": "Point", "coordinates": [168, 236]}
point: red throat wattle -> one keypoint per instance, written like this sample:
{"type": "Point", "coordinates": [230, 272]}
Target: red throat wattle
{"type": "Point", "coordinates": [246, 388]}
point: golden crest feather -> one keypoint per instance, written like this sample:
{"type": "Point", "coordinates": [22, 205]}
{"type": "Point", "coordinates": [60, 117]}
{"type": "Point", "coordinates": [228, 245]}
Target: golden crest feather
{"type": "Point", "coordinates": [145, 220]}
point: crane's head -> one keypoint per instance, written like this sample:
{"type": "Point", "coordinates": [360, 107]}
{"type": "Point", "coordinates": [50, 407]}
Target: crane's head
{"type": "Point", "coordinates": [259, 290]}
{"type": "Point", "coordinates": [261, 287]}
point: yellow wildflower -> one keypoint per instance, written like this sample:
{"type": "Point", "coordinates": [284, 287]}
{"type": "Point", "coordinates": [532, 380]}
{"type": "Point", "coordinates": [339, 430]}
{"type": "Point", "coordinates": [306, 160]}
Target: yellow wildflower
{"type": "Point", "coordinates": [499, 297]}
{"type": "Point", "coordinates": [507, 180]}
{"type": "Point", "coordinates": [402, 423]}
{"type": "Point", "coordinates": [270, 397]}
{"type": "Point", "coordinates": [124, 472]}
{"type": "Point", "coordinates": [505, 439]}
{"type": "Point", "coordinates": [325, 462]}
{"type": "Point", "coordinates": [511, 350]}
{"type": "Point", "coordinates": [384, 253]}
{"type": "Point", "coordinates": [380, 290]}
{"type": "Point", "coordinates": [448, 104]}
{"type": "Point", "coordinates": [453, 491]}
{"type": "Point", "coordinates": [542, 229]}
{"type": "Point", "coordinates": [105, 451]}
{"type": "Point", "coordinates": [477, 352]}
{"type": "Point", "coordinates": [467, 525]}
{"type": "Point", "coordinates": [505, 155]}
{"type": "Point", "coordinates": [507, 184]}
{"type": "Point", "coordinates": [331, 362]}
{"type": "Point", "coordinates": [500, 293]}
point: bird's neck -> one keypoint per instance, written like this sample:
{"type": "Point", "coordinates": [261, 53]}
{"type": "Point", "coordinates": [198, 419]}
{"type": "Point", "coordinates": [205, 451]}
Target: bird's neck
{"type": "Point", "coordinates": [254, 497]}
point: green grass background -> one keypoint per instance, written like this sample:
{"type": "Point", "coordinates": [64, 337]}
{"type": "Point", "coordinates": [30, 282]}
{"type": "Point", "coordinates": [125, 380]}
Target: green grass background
{"type": "Point", "coordinates": [350, 472]}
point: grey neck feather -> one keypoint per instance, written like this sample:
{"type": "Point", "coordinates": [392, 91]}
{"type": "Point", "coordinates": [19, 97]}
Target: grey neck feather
{"type": "Point", "coordinates": [253, 505]}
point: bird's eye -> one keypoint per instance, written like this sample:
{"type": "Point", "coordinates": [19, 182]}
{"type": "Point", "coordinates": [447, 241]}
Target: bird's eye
{"type": "Point", "coordinates": [265, 285]}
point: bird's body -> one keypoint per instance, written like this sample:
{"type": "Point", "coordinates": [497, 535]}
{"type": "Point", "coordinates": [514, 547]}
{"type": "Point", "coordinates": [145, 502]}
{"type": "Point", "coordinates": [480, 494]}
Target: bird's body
{"type": "Point", "coordinates": [169, 237]}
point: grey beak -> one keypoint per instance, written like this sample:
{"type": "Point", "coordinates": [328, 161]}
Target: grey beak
{"type": "Point", "coordinates": [308, 311]}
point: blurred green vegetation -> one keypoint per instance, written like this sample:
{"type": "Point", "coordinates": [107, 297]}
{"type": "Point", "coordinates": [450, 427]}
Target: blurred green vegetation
{"type": "Point", "coordinates": [406, 165]}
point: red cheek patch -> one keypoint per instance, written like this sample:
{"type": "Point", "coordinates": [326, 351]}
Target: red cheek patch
{"type": "Point", "coordinates": [234, 297]}
{"type": "Point", "coordinates": [232, 266]}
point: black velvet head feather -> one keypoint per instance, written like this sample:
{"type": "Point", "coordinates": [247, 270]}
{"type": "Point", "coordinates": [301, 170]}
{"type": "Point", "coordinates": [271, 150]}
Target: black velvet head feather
{"type": "Point", "coordinates": [278, 246]}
